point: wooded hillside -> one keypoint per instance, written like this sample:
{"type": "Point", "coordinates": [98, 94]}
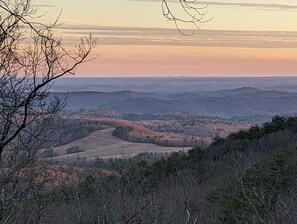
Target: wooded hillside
{"type": "Point", "coordinates": [248, 177]}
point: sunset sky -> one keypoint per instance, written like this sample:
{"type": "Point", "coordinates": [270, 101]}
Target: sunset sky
{"type": "Point", "coordinates": [245, 38]}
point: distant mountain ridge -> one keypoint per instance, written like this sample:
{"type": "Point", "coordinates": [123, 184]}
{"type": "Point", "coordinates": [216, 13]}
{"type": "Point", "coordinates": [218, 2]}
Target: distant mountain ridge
{"type": "Point", "coordinates": [171, 84]}
{"type": "Point", "coordinates": [226, 103]}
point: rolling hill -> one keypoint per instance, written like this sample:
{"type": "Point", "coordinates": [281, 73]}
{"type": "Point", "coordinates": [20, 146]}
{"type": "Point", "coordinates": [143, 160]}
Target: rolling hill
{"type": "Point", "coordinates": [225, 103]}
{"type": "Point", "coordinates": [102, 144]}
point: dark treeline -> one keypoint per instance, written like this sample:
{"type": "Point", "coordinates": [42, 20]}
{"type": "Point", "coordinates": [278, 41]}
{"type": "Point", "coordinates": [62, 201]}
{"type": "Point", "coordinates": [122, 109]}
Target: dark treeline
{"type": "Point", "coordinates": [70, 130]}
{"type": "Point", "coordinates": [132, 134]}
{"type": "Point", "coordinates": [248, 177]}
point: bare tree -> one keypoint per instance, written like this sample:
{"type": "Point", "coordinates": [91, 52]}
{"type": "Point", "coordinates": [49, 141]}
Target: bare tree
{"type": "Point", "coordinates": [31, 59]}
{"type": "Point", "coordinates": [189, 11]}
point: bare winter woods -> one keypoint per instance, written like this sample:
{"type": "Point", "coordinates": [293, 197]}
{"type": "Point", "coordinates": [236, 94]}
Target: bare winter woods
{"type": "Point", "coordinates": [248, 176]}
{"type": "Point", "coordinates": [31, 59]}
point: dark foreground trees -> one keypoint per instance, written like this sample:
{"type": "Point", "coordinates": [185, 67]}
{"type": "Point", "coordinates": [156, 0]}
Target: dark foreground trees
{"type": "Point", "coordinates": [248, 177]}
{"type": "Point", "coordinates": [31, 59]}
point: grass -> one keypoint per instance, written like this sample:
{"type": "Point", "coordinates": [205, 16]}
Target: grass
{"type": "Point", "coordinates": [102, 144]}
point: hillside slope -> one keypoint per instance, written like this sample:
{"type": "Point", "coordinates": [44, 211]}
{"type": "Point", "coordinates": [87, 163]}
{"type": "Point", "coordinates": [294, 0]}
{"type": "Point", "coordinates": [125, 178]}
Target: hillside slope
{"type": "Point", "coordinates": [102, 144]}
{"type": "Point", "coordinates": [225, 103]}
{"type": "Point", "coordinates": [248, 177]}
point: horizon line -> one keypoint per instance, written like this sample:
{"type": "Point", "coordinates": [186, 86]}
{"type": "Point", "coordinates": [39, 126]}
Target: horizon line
{"type": "Point", "coordinates": [179, 77]}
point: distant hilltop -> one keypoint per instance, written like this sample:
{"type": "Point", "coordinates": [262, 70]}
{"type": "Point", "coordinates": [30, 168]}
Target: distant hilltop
{"type": "Point", "coordinates": [228, 103]}
{"type": "Point", "coordinates": [173, 84]}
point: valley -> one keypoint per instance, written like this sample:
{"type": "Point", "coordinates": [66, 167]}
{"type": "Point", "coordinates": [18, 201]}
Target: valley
{"type": "Point", "coordinates": [126, 123]}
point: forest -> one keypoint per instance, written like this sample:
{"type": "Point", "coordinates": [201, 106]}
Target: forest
{"type": "Point", "coordinates": [247, 177]}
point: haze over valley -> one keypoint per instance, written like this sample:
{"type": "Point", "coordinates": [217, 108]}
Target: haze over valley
{"type": "Point", "coordinates": [169, 112]}
{"type": "Point", "coordinates": [148, 112]}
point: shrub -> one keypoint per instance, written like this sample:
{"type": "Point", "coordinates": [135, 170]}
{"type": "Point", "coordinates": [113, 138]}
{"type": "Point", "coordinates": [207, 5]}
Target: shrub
{"type": "Point", "coordinates": [73, 149]}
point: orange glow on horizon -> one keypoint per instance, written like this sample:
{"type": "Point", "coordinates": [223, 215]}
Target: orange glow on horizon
{"type": "Point", "coordinates": [245, 38]}
{"type": "Point", "coordinates": [164, 61]}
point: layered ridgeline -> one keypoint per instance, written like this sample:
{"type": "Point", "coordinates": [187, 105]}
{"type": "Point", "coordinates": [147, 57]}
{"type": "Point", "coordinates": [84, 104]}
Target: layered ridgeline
{"type": "Point", "coordinates": [248, 177]}
{"type": "Point", "coordinates": [224, 103]}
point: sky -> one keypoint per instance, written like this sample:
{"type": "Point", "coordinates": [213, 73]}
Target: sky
{"type": "Point", "coordinates": [243, 38]}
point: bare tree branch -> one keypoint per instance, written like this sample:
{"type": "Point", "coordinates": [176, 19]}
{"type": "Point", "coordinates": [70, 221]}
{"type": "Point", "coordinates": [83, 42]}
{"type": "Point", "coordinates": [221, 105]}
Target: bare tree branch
{"type": "Point", "coordinates": [31, 59]}
{"type": "Point", "coordinates": [193, 12]}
